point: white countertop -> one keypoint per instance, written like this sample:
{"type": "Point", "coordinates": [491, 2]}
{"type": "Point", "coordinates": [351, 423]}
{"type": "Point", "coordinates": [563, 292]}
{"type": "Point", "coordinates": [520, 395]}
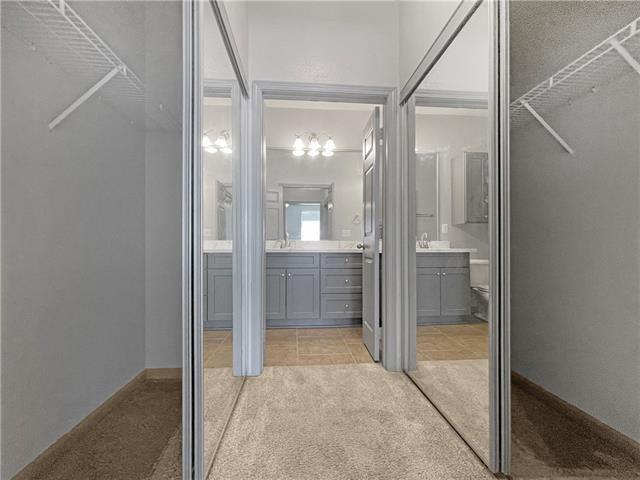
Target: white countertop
{"type": "Point", "coordinates": [223, 246]}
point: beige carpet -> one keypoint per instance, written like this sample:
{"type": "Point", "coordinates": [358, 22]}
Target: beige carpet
{"type": "Point", "coordinates": [339, 422]}
{"type": "Point", "coordinates": [220, 392]}
{"type": "Point", "coordinates": [126, 442]}
{"type": "Point", "coordinates": [460, 390]}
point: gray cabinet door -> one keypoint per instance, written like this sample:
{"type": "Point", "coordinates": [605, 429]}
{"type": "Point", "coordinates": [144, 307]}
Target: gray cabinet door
{"type": "Point", "coordinates": [476, 187]}
{"type": "Point", "coordinates": [455, 290]}
{"type": "Point", "coordinates": [219, 297]}
{"type": "Point", "coordinates": [303, 293]}
{"type": "Point", "coordinates": [276, 294]}
{"type": "Point", "coordinates": [428, 292]}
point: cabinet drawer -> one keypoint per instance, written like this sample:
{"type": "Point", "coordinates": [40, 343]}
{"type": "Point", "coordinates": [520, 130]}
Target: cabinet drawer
{"type": "Point", "coordinates": [442, 260]}
{"type": "Point", "coordinates": [336, 305]}
{"type": "Point", "coordinates": [292, 260]}
{"type": "Point", "coordinates": [341, 260]}
{"type": "Point", "coordinates": [218, 260]}
{"type": "Point", "coordinates": [341, 280]}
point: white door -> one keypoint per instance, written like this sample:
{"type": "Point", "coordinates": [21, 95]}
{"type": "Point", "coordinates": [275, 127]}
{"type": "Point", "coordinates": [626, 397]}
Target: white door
{"type": "Point", "coordinates": [371, 152]}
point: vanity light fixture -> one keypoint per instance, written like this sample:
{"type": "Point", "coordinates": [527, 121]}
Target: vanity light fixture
{"type": "Point", "coordinates": [222, 143]}
{"type": "Point", "coordinates": [314, 147]}
{"type": "Point", "coordinates": [207, 144]}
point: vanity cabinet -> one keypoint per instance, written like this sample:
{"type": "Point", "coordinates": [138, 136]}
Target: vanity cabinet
{"type": "Point", "coordinates": [302, 289]}
{"type": "Point", "coordinates": [443, 288]}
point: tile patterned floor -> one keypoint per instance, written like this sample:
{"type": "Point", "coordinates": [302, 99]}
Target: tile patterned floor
{"type": "Point", "coordinates": [218, 348]}
{"type": "Point", "coordinates": [294, 346]}
{"type": "Point", "coordinates": [453, 342]}
{"type": "Point", "coordinates": [315, 346]}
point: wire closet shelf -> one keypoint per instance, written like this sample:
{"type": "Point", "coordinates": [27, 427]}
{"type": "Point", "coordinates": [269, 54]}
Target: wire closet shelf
{"type": "Point", "coordinates": [606, 61]}
{"type": "Point", "coordinates": [56, 31]}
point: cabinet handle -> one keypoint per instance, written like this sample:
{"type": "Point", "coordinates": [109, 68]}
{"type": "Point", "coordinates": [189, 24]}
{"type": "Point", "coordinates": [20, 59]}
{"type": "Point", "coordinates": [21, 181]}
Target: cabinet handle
{"type": "Point", "coordinates": [438, 274]}
{"type": "Point", "coordinates": [289, 275]}
{"type": "Point", "coordinates": [346, 260]}
{"type": "Point", "coordinates": [282, 275]}
{"type": "Point", "coordinates": [346, 280]}
{"type": "Point", "coordinates": [444, 274]}
{"type": "Point", "coordinates": [346, 306]}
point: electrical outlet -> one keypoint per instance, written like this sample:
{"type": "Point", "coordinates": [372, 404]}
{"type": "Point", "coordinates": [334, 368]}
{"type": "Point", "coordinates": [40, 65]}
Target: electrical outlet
{"type": "Point", "coordinates": [445, 228]}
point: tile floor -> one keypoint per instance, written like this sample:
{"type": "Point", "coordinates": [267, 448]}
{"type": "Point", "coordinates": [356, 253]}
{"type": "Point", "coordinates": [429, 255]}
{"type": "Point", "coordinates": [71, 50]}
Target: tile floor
{"type": "Point", "coordinates": [294, 346]}
{"type": "Point", "coordinates": [315, 346]}
{"type": "Point", "coordinates": [218, 349]}
{"type": "Point", "coordinates": [453, 342]}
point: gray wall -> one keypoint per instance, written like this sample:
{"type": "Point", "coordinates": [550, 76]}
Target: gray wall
{"type": "Point", "coordinates": [575, 236]}
{"type": "Point", "coordinates": [451, 136]}
{"type": "Point", "coordinates": [73, 248]}
{"type": "Point", "coordinates": [163, 174]}
{"type": "Point", "coordinates": [90, 231]}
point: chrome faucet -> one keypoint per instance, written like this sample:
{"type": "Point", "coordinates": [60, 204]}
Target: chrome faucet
{"type": "Point", "coordinates": [424, 240]}
{"type": "Point", "coordinates": [286, 243]}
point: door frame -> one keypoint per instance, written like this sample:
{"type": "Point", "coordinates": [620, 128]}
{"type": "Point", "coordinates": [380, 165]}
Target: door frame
{"type": "Point", "coordinates": [498, 105]}
{"type": "Point", "coordinates": [391, 293]}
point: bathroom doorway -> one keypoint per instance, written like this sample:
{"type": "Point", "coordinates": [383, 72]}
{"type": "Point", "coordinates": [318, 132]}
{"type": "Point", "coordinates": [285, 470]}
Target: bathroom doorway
{"type": "Point", "coordinates": [323, 164]}
{"type": "Point", "coordinates": [319, 209]}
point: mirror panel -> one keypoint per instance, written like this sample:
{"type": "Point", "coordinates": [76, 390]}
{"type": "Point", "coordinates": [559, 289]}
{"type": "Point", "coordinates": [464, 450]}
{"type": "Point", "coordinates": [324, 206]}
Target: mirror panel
{"type": "Point", "coordinates": [451, 170]}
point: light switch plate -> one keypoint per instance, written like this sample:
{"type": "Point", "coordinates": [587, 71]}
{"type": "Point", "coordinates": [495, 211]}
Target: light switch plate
{"type": "Point", "coordinates": [445, 228]}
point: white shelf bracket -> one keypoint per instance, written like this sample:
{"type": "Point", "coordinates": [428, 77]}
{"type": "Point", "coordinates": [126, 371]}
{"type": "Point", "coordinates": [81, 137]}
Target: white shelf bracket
{"type": "Point", "coordinates": [548, 128]}
{"type": "Point", "coordinates": [85, 96]}
{"type": "Point", "coordinates": [624, 53]}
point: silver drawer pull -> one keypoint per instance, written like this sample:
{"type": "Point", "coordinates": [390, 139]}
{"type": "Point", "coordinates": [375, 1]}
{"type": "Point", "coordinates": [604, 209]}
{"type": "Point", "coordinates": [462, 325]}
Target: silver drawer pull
{"type": "Point", "coordinates": [346, 260]}
{"type": "Point", "coordinates": [444, 274]}
{"type": "Point", "coordinates": [346, 306]}
{"type": "Point", "coordinates": [346, 280]}
{"type": "Point", "coordinates": [282, 275]}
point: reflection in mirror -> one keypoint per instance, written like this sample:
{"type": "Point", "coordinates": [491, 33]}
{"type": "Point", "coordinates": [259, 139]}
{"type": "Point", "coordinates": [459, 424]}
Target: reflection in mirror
{"type": "Point", "coordinates": [218, 159]}
{"type": "Point", "coordinates": [452, 235]}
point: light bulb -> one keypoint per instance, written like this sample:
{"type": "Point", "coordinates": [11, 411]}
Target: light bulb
{"type": "Point", "coordinates": [314, 144]}
{"type": "Point", "coordinates": [313, 153]}
{"type": "Point", "coordinates": [330, 145]}
{"type": "Point", "coordinates": [298, 144]}
{"type": "Point", "coordinates": [206, 141]}
{"type": "Point", "coordinates": [327, 153]}
{"type": "Point", "coordinates": [298, 152]}
{"type": "Point", "coordinates": [221, 141]}
{"type": "Point", "coordinates": [211, 149]}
